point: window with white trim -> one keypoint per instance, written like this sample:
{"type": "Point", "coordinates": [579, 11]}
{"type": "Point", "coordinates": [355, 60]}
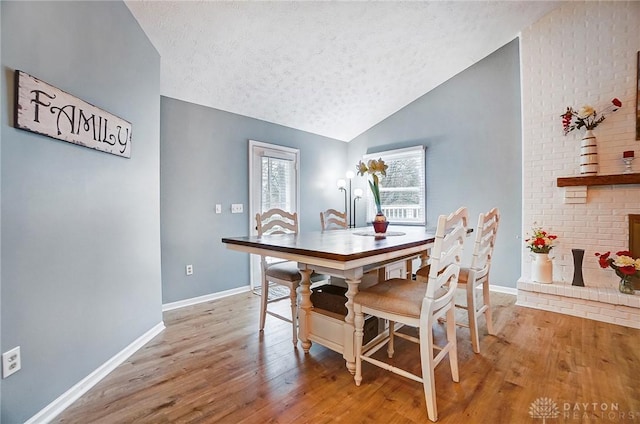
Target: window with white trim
{"type": "Point", "coordinates": [402, 191]}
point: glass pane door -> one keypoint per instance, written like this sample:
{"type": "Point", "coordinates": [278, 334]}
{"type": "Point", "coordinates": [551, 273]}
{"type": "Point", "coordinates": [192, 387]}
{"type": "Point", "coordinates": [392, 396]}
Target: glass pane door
{"type": "Point", "coordinates": [277, 184]}
{"type": "Point", "coordinates": [274, 182]}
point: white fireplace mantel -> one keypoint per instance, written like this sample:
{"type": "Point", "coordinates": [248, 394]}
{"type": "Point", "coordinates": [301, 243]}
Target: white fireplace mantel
{"type": "Point", "coordinates": [575, 188]}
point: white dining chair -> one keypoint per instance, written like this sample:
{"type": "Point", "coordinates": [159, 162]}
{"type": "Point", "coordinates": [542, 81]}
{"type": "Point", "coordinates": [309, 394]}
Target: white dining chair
{"type": "Point", "coordinates": [411, 303]}
{"type": "Point", "coordinates": [283, 273]}
{"type": "Point", "coordinates": [476, 277]}
{"type": "Point", "coordinates": [332, 219]}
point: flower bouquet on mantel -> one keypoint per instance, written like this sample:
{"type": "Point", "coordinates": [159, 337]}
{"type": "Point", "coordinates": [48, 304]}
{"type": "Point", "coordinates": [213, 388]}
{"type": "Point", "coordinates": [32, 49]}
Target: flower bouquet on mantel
{"type": "Point", "coordinates": [375, 167]}
{"type": "Point", "coordinates": [541, 241]}
{"type": "Point", "coordinates": [625, 267]}
{"type": "Point", "coordinates": [588, 118]}
{"type": "Point", "coordinates": [540, 244]}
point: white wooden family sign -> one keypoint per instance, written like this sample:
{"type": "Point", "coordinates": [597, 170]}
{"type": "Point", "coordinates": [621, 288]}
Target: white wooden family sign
{"type": "Point", "coordinates": [44, 109]}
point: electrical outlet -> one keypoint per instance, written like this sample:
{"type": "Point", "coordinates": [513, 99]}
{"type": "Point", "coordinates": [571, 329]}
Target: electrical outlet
{"type": "Point", "coordinates": [236, 208]}
{"type": "Point", "coordinates": [218, 208]}
{"type": "Point", "coordinates": [189, 269]}
{"type": "Point", "coordinates": [11, 362]}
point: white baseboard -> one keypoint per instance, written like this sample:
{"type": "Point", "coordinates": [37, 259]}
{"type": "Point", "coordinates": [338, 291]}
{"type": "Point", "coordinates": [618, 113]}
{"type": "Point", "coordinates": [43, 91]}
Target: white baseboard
{"type": "Point", "coordinates": [49, 412]}
{"type": "Point", "coordinates": [202, 299]}
{"type": "Point", "coordinates": [501, 289]}
{"type": "Point", "coordinates": [220, 295]}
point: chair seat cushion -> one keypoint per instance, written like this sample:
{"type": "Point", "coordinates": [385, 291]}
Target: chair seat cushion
{"type": "Point", "coordinates": [397, 296]}
{"type": "Point", "coordinates": [288, 271]}
{"type": "Point", "coordinates": [423, 272]}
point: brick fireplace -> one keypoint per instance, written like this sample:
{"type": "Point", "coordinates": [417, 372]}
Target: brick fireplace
{"type": "Point", "coordinates": [594, 218]}
{"type": "Point", "coordinates": [601, 303]}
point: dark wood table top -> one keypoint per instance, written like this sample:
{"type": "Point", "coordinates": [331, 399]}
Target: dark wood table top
{"type": "Point", "coordinates": [340, 245]}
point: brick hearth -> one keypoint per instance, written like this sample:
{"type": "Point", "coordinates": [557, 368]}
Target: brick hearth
{"type": "Point", "coordinates": [597, 303]}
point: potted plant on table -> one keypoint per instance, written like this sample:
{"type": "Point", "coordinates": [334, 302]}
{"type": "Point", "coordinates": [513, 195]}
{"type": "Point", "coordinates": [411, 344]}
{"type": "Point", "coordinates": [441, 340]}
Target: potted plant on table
{"type": "Point", "coordinates": [375, 168]}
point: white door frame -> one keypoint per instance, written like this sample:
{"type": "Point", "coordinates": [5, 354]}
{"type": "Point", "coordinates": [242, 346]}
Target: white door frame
{"type": "Point", "coordinates": [258, 149]}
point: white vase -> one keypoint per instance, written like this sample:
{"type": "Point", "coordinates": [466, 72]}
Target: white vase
{"type": "Point", "coordinates": [588, 154]}
{"type": "Point", "coordinates": [541, 268]}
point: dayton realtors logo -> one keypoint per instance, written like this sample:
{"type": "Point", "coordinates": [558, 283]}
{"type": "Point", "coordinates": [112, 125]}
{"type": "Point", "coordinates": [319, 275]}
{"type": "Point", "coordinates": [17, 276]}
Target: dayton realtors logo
{"type": "Point", "coordinates": [544, 408]}
{"type": "Point", "coordinates": [547, 408]}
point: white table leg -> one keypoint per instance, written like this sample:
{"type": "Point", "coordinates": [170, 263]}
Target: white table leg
{"type": "Point", "coordinates": [349, 354]}
{"type": "Point", "coordinates": [304, 311]}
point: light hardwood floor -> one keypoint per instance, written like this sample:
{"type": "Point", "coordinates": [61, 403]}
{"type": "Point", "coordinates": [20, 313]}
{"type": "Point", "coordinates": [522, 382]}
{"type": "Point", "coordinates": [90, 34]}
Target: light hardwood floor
{"type": "Point", "coordinates": [211, 365]}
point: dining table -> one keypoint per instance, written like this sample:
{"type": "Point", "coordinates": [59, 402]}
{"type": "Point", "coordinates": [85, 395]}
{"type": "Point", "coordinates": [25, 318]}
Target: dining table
{"type": "Point", "coordinates": [347, 254]}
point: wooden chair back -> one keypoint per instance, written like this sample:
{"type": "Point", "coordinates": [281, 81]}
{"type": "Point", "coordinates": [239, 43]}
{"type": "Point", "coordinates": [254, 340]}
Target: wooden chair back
{"type": "Point", "coordinates": [276, 221]}
{"type": "Point", "coordinates": [445, 259]}
{"type": "Point", "coordinates": [486, 232]}
{"type": "Point", "coordinates": [332, 219]}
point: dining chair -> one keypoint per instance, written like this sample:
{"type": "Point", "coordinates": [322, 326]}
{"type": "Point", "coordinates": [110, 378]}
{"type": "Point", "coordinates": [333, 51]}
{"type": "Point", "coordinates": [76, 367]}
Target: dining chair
{"type": "Point", "coordinates": [412, 303]}
{"type": "Point", "coordinates": [476, 276]}
{"type": "Point", "coordinates": [332, 219]}
{"type": "Point", "coordinates": [283, 273]}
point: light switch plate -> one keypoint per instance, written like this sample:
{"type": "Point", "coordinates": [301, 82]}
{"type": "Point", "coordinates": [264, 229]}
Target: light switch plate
{"type": "Point", "coordinates": [236, 208]}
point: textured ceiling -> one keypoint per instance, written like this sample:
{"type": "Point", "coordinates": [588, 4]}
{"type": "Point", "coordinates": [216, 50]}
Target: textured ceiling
{"type": "Point", "coordinates": [330, 68]}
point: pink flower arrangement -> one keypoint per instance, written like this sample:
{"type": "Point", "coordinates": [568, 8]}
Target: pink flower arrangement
{"type": "Point", "coordinates": [586, 117]}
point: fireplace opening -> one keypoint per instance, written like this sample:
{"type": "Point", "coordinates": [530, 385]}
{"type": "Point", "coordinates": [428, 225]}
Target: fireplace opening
{"type": "Point", "coordinates": [634, 235]}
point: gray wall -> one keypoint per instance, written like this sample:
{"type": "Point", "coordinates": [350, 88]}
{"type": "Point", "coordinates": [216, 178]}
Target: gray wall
{"type": "Point", "coordinates": [204, 161]}
{"type": "Point", "coordinates": [80, 228]}
{"type": "Point", "coordinates": [471, 127]}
